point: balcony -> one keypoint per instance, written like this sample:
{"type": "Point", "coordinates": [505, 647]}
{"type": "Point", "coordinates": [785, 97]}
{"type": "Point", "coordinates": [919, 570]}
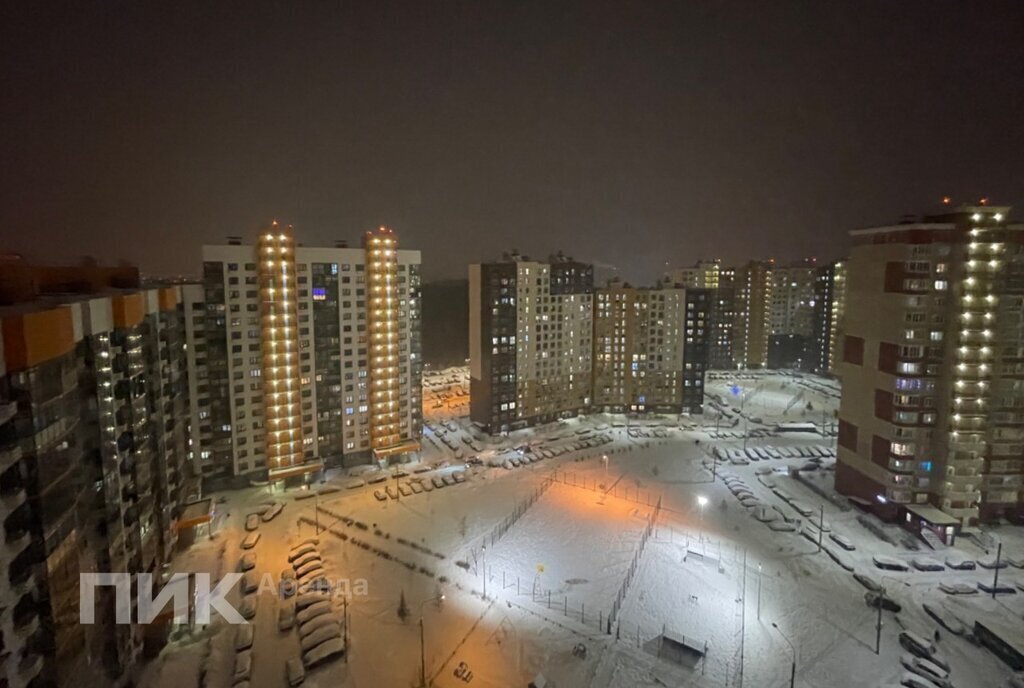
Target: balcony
{"type": "Point", "coordinates": [7, 411]}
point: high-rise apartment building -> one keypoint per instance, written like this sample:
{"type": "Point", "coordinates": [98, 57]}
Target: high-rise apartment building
{"type": "Point", "coordinates": [720, 282]}
{"type": "Point", "coordinates": [93, 460]}
{"type": "Point", "coordinates": [302, 356]}
{"type": "Point", "coordinates": [932, 416]}
{"type": "Point", "coordinates": [649, 348]}
{"type": "Point", "coordinates": [545, 344]}
{"type": "Point", "coordinates": [753, 314]}
{"type": "Point", "coordinates": [530, 341]}
{"type": "Point", "coordinates": [827, 320]}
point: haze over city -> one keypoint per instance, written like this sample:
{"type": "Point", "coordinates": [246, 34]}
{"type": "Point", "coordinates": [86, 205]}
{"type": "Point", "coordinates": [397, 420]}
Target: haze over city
{"type": "Point", "coordinates": [512, 345]}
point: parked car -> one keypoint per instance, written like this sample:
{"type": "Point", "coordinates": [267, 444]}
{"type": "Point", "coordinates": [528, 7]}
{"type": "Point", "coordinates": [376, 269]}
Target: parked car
{"type": "Point", "coordinates": [286, 617]}
{"type": "Point", "coordinates": [380, 495]}
{"type": "Point", "coordinates": [248, 562]}
{"type": "Point", "coordinates": [301, 550]}
{"type": "Point", "coordinates": [931, 671]}
{"type": "Point", "coordinates": [243, 667]}
{"type": "Point", "coordinates": [250, 583]}
{"type": "Point", "coordinates": [317, 623]}
{"type": "Point", "coordinates": [295, 671]}
{"type": "Point", "coordinates": [437, 481]}
{"type": "Point", "coordinates": [248, 607]}
{"type": "Point", "coordinates": [323, 652]}
{"type": "Point", "coordinates": [309, 569]}
{"type": "Point", "coordinates": [843, 542]}
{"type": "Point", "coordinates": [303, 601]}
{"type": "Point", "coordinates": [243, 637]}
{"type": "Point", "coordinates": [305, 559]}
{"type": "Point", "coordinates": [313, 611]}
{"type": "Point", "coordinates": [252, 522]}
{"type": "Point", "coordinates": [889, 563]}
{"type": "Point", "coordinates": [405, 489]}
{"type": "Point", "coordinates": [250, 540]}
{"type": "Point", "coordinates": [912, 680]}
{"type": "Point", "coordinates": [925, 649]}
{"type": "Point", "coordinates": [272, 512]}
{"type": "Point", "coordinates": [874, 599]}
{"type": "Point", "coordinates": [321, 634]}
{"type": "Point", "coordinates": [392, 492]}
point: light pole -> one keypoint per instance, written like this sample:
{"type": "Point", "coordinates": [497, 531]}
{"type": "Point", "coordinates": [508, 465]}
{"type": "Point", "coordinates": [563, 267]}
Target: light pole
{"type": "Point", "coordinates": [423, 654]}
{"type": "Point", "coordinates": [759, 592]}
{"type": "Point", "coordinates": [483, 561]}
{"type": "Point", "coordinates": [792, 669]}
{"type": "Point", "coordinates": [702, 502]}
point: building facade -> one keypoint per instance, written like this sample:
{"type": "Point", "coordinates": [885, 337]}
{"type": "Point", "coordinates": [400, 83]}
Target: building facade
{"type": "Point", "coordinates": [753, 314]}
{"type": "Point", "coordinates": [932, 413]}
{"type": "Point", "coordinates": [650, 349]}
{"type": "Point", "coordinates": [546, 344]}
{"type": "Point", "coordinates": [827, 320]}
{"type": "Point", "coordinates": [720, 283]}
{"type": "Point", "coordinates": [531, 341]}
{"type": "Point", "coordinates": [93, 445]}
{"type": "Point", "coordinates": [303, 357]}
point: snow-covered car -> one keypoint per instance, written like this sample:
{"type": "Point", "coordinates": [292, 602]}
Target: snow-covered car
{"type": "Point", "coordinates": [889, 563]}
{"type": "Point", "coordinates": [243, 637]}
{"type": "Point", "coordinates": [310, 569]}
{"type": "Point", "coordinates": [380, 495]}
{"type": "Point", "coordinates": [800, 508]}
{"type": "Point", "coordinates": [843, 542]}
{"type": "Point", "coordinates": [868, 582]}
{"type": "Point", "coordinates": [323, 652]}
{"type": "Point", "coordinates": [874, 599]}
{"type": "Point", "coordinates": [459, 476]}
{"type": "Point", "coordinates": [926, 564]}
{"type": "Point", "coordinates": [248, 607]}
{"type": "Point", "coordinates": [243, 667]}
{"type": "Point", "coordinates": [301, 550]}
{"type": "Point", "coordinates": [313, 611]}
{"type": "Point", "coordinates": [416, 487]}
{"type": "Point", "coordinates": [252, 522]}
{"type": "Point", "coordinates": [391, 491]}
{"type": "Point", "coordinates": [437, 481]}
{"type": "Point", "coordinates": [305, 559]}
{"type": "Point", "coordinates": [427, 485]}
{"type": "Point", "coordinates": [247, 562]}
{"type": "Point", "coordinates": [250, 583]}
{"type": "Point", "coordinates": [325, 632]}
{"type": "Point", "coordinates": [925, 649]}
{"type": "Point", "coordinates": [931, 671]}
{"type": "Point", "coordinates": [405, 489]}
{"type": "Point", "coordinates": [295, 671]}
{"type": "Point", "coordinates": [376, 479]}
{"type": "Point", "coordinates": [912, 680]}
{"type": "Point", "coordinates": [286, 617]}
{"type": "Point", "coordinates": [448, 480]}
{"type": "Point", "coordinates": [272, 512]}
{"type": "Point", "coordinates": [313, 625]}
{"type": "Point", "coordinates": [250, 540]}
{"type": "Point", "coordinates": [305, 600]}
{"type": "Point", "coordinates": [960, 563]}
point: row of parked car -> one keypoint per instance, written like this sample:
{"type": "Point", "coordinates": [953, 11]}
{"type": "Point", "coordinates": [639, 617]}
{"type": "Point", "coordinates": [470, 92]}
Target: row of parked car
{"type": "Point", "coordinates": [312, 612]}
{"type": "Point", "coordinates": [743, 457]}
{"type": "Point", "coordinates": [419, 485]}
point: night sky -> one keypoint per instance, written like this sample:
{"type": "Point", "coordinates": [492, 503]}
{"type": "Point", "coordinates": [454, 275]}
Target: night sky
{"type": "Point", "coordinates": [628, 133]}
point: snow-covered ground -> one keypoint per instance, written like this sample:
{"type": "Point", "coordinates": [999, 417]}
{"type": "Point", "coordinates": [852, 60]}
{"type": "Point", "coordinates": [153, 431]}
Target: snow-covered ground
{"type": "Point", "coordinates": [711, 573]}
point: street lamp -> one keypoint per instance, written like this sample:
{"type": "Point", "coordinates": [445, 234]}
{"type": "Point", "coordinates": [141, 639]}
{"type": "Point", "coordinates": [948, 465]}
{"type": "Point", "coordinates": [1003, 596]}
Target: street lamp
{"type": "Point", "coordinates": [423, 656]}
{"type": "Point", "coordinates": [792, 670]}
{"type": "Point", "coordinates": [702, 502]}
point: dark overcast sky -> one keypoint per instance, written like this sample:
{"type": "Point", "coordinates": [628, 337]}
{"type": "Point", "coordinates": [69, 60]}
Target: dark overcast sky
{"type": "Point", "coordinates": [628, 133]}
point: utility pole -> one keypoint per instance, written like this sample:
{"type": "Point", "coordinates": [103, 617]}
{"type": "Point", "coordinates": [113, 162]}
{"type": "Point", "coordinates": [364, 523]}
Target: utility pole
{"type": "Point", "coordinates": [743, 616]}
{"type": "Point", "coordinates": [995, 576]}
{"type": "Point", "coordinates": [821, 526]}
{"type": "Point", "coordinates": [759, 576]}
{"type": "Point", "coordinates": [878, 624]}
